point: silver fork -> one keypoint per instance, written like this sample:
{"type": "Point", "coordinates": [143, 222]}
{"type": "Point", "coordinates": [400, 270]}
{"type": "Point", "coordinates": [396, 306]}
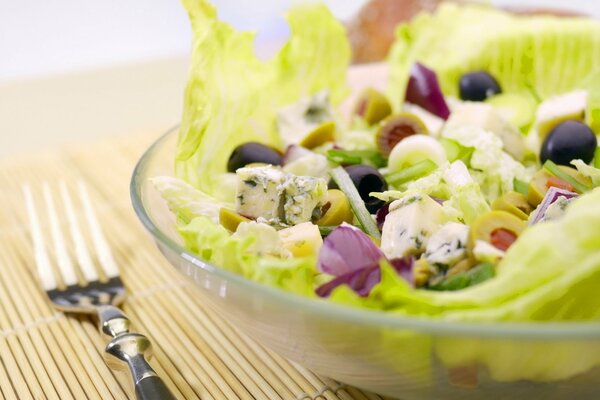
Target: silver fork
{"type": "Point", "coordinates": [124, 349]}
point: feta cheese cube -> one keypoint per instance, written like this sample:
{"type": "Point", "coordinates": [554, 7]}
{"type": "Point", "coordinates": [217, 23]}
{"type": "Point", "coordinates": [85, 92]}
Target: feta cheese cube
{"type": "Point", "coordinates": [410, 223]}
{"type": "Point", "coordinates": [302, 195]}
{"type": "Point", "coordinates": [276, 197]}
{"type": "Point", "coordinates": [448, 244]}
{"type": "Point", "coordinates": [260, 192]}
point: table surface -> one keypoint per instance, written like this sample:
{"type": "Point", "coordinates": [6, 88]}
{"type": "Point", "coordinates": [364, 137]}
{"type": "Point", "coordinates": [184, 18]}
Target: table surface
{"type": "Point", "coordinates": [47, 354]}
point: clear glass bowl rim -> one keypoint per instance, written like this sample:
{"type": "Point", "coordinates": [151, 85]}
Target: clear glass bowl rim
{"type": "Point", "coordinates": [382, 319]}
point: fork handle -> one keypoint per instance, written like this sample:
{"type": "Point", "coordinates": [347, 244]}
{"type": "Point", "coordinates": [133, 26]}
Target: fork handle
{"type": "Point", "coordinates": [134, 350]}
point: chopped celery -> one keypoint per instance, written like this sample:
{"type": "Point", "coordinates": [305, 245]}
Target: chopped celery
{"type": "Point", "coordinates": [597, 158]}
{"type": "Point", "coordinates": [521, 187]}
{"type": "Point", "coordinates": [413, 172]}
{"type": "Point", "coordinates": [341, 177]}
{"type": "Point", "coordinates": [352, 157]}
{"type": "Point", "coordinates": [553, 169]}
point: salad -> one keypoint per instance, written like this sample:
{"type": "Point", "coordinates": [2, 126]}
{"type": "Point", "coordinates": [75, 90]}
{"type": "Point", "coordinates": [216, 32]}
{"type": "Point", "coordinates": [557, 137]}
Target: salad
{"type": "Point", "coordinates": [466, 190]}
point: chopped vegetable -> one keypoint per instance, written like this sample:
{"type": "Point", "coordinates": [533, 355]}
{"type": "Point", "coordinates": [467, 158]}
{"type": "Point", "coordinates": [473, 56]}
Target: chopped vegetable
{"type": "Point", "coordinates": [342, 179]}
{"type": "Point", "coordinates": [423, 90]}
{"type": "Point", "coordinates": [553, 169]}
{"type": "Point", "coordinates": [352, 157]}
{"type": "Point", "coordinates": [414, 172]}
{"type": "Point", "coordinates": [552, 195]}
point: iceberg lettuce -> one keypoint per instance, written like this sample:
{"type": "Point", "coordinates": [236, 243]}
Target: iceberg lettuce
{"type": "Point", "coordinates": [233, 97]}
{"type": "Point", "coordinates": [520, 52]}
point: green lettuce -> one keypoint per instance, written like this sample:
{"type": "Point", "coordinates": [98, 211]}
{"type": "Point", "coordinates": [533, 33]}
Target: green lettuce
{"type": "Point", "coordinates": [233, 97]}
{"type": "Point", "coordinates": [187, 202]}
{"type": "Point", "coordinates": [520, 52]}
{"type": "Point", "coordinates": [451, 182]}
{"type": "Point", "coordinates": [237, 253]}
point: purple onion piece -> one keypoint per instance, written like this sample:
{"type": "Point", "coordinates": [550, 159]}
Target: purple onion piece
{"type": "Point", "coordinates": [404, 267]}
{"type": "Point", "coordinates": [294, 152]}
{"type": "Point", "coordinates": [382, 212]}
{"type": "Point", "coordinates": [347, 249]}
{"type": "Point", "coordinates": [551, 196]}
{"type": "Point", "coordinates": [424, 90]}
{"type": "Point", "coordinates": [361, 281]}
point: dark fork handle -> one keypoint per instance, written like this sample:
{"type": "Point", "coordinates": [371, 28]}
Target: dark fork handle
{"type": "Point", "coordinates": [134, 350]}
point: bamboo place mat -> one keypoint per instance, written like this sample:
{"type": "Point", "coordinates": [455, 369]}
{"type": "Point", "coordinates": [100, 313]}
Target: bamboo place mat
{"type": "Point", "coordinates": [45, 354]}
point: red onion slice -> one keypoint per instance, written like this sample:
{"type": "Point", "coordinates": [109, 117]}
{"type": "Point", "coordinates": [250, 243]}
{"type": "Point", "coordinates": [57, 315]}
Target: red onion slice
{"type": "Point", "coordinates": [551, 196]}
{"type": "Point", "coordinates": [424, 90]}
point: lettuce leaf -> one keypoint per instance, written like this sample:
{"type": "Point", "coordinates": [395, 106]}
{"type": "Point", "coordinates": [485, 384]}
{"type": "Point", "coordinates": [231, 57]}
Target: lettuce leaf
{"type": "Point", "coordinates": [236, 253]}
{"type": "Point", "coordinates": [519, 52]}
{"type": "Point", "coordinates": [232, 97]}
{"type": "Point", "coordinates": [187, 202]}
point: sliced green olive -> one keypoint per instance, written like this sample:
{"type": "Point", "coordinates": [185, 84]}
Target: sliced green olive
{"type": "Point", "coordinates": [372, 106]}
{"type": "Point", "coordinates": [486, 226]}
{"type": "Point", "coordinates": [514, 203]}
{"type": "Point", "coordinates": [230, 219]}
{"type": "Point", "coordinates": [538, 186]}
{"type": "Point", "coordinates": [395, 128]}
{"type": "Point", "coordinates": [321, 134]}
{"type": "Point", "coordinates": [336, 209]}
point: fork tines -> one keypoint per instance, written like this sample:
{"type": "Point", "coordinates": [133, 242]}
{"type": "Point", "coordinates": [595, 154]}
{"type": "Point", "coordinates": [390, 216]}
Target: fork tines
{"type": "Point", "coordinates": [65, 265]}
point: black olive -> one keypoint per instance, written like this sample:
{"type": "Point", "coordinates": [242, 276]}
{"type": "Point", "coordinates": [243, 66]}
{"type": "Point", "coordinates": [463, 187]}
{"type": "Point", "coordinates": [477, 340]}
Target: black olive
{"type": "Point", "coordinates": [367, 179]}
{"type": "Point", "coordinates": [478, 86]}
{"type": "Point", "coordinates": [568, 141]}
{"type": "Point", "coordinates": [252, 152]}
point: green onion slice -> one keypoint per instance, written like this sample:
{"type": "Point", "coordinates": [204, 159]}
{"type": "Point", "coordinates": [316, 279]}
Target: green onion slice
{"type": "Point", "coordinates": [413, 172]}
{"type": "Point", "coordinates": [341, 177]}
{"type": "Point", "coordinates": [553, 169]}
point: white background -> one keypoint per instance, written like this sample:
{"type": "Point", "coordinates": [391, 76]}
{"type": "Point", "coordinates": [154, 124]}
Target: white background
{"type": "Point", "coordinates": [75, 70]}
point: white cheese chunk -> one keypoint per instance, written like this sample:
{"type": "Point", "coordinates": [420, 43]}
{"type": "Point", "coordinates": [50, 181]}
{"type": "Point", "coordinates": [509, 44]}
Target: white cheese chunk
{"type": "Point", "coordinates": [260, 192]}
{"type": "Point", "coordinates": [410, 223]}
{"type": "Point", "coordinates": [486, 117]}
{"type": "Point", "coordinates": [448, 244]}
{"type": "Point", "coordinates": [302, 195]}
{"type": "Point", "coordinates": [276, 197]}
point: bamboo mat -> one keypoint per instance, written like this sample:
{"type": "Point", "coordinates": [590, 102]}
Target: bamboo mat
{"type": "Point", "coordinates": [45, 354]}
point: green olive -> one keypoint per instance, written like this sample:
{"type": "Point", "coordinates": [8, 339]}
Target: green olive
{"type": "Point", "coordinates": [336, 209]}
{"type": "Point", "coordinates": [372, 106]}
{"type": "Point", "coordinates": [538, 186]}
{"type": "Point", "coordinates": [485, 226]}
{"type": "Point", "coordinates": [395, 128]}
{"type": "Point", "coordinates": [321, 134]}
{"type": "Point", "coordinates": [230, 219]}
{"type": "Point", "coordinates": [514, 203]}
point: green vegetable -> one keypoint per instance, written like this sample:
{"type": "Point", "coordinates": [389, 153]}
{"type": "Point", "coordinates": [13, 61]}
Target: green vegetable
{"type": "Point", "coordinates": [411, 173]}
{"type": "Point", "coordinates": [476, 275]}
{"type": "Point", "coordinates": [340, 176]}
{"type": "Point", "coordinates": [521, 187]}
{"type": "Point", "coordinates": [553, 169]}
{"type": "Point", "coordinates": [455, 151]}
{"type": "Point", "coordinates": [597, 158]}
{"type": "Point", "coordinates": [353, 157]}
{"type": "Point", "coordinates": [586, 170]}
{"type": "Point", "coordinates": [493, 168]}
{"type": "Point", "coordinates": [232, 97]}
{"type": "Point", "coordinates": [186, 201]}
{"type": "Point", "coordinates": [519, 52]}
{"type": "Point", "coordinates": [236, 253]}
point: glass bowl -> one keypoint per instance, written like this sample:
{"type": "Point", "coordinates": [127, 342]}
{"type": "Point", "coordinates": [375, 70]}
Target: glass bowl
{"type": "Point", "coordinates": [408, 358]}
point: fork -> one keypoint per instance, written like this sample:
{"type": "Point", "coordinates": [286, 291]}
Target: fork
{"type": "Point", "coordinates": [98, 295]}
